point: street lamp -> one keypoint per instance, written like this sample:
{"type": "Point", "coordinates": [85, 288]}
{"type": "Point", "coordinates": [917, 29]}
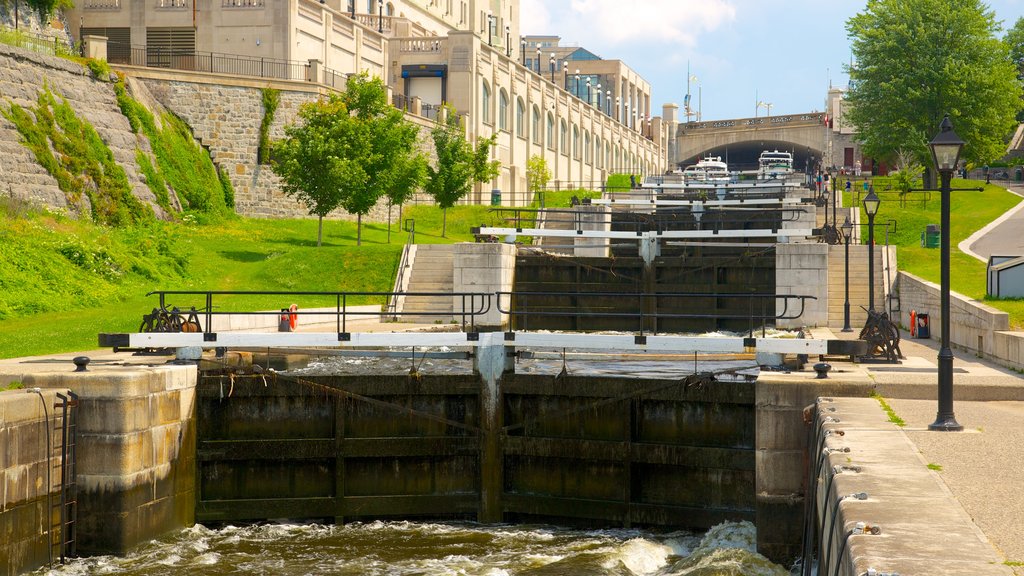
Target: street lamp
{"type": "Point", "coordinates": [490, 27]}
{"type": "Point", "coordinates": [508, 41]}
{"type": "Point", "coordinates": [588, 92]}
{"type": "Point", "coordinates": [380, 16]}
{"type": "Point", "coordinates": [551, 64]}
{"type": "Point", "coordinates": [576, 86]}
{"type": "Point", "coordinates": [565, 75]}
{"type": "Point", "coordinates": [946, 148]}
{"type": "Point", "coordinates": [352, 9]}
{"type": "Point", "coordinates": [871, 204]}
{"type": "Point", "coordinates": [847, 231]}
{"type": "Point", "coordinates": [538, 61]}
{"type": "Point", "coordinates": [522, 49]}
{"type": "Point", "coordinates": [617, 102]}
{"type": "Point", "coordinates": [599, 96]}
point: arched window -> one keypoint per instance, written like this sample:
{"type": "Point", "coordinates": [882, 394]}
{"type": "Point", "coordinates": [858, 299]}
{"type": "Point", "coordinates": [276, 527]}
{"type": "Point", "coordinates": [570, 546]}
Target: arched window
{"type": "Point", "coordinates": [551, 130]}
{"type": "Point", "coordinates": [389, 10]}
{"type": "Point", "coordinates": [485, 108]}
{"type": "Point", "coordinates": [598, 152]}
{"type": "Point", "coordinates": [587, 150]}
{"type": "Point", "coordinates": [371, 6]}
{"type": "Point", "coordinates": [502, 109]}
{"type": "Point", "coordinates": [536, 126]}
{"type": "Point", "coordinates": [575, 142]}
{"type": "Point", "coordinates": [520, 113]}
{"type": "Point", "coordinates": [563, 140]}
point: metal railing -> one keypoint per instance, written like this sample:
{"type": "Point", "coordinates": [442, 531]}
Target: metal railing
{"type": "Point", "coordinates": [212, 62]}
{"type": "Point", "coordinates": [391, 312]}
{"type": "Point", "coordinates": [53, 46]}
{"type": "Point", "coordinates": [192, 315]}
{"type": "Point", "coordinates": [517, 306]}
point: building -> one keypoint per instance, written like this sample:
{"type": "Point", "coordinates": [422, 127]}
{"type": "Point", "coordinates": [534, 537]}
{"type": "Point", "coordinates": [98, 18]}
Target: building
{"type": "Point", "coordinates": [429, 52]}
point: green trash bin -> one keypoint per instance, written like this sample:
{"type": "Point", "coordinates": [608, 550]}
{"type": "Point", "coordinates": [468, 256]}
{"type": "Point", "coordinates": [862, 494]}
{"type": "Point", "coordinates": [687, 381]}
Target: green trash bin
{"type": "Point", "coordinates": [1018, 174]}
{"type": "Point", "coordinates": [496, 197]}
{"type": "Point", "coordinates": [931, 236]}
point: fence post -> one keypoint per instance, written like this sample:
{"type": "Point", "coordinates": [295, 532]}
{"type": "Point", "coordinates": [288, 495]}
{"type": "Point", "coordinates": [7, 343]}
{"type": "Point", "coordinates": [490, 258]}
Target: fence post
{"type": "Point", "coordinates": [95, 46]}
{"type": "Point", "coordinates": [313, 70]}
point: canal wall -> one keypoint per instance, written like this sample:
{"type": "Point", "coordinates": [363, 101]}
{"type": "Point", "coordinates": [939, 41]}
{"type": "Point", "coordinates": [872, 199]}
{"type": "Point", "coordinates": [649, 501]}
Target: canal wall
{"type": "Point", "coordinates": [974, 326]}
{"type": "Point", "coordinates": [135, 447]}
{"type": "Point", "coordinates": [31, 445]}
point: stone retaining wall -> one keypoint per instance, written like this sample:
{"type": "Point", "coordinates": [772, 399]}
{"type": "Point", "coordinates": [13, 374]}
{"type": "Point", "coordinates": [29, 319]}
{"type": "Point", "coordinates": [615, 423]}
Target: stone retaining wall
{"type": "Point", "coordinates": [974, 326]}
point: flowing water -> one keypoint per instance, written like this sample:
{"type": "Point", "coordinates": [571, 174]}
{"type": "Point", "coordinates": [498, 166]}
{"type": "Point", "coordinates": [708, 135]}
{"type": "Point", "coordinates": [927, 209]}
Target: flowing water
{"type": "Point", "coordinates": [432, 549]}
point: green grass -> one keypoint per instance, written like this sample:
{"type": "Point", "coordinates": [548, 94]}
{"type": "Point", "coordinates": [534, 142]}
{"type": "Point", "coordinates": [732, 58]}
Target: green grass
{"type": "Point", "coordinates": [935, 467]}
{"type": "Point", "coordinates": [969, 212]}
{"type": "Point", "coordinates": [65, 281]}
{"type": "Point", "coordinates": [893, 417]}
{"type": "Point", "coordinates": [11, 386]}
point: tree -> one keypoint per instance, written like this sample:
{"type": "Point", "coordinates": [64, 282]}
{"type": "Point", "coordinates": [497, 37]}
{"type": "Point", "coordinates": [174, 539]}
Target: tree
{"type": "Point", "coordinates": [459, 163]}
{"type": "Point", "coordinates": [1014, 41]}
{"type": "Point", "coordinates": [348, 151]}
{"type": "Point", "coordinates": [917, 60]}
{"type": "Point", "coordinates": [537, 173]}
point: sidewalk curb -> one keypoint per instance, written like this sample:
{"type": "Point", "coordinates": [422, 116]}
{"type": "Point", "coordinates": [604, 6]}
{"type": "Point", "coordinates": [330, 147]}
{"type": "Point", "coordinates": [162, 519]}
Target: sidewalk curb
{"type": "Point", "coordinates": [965, 246]}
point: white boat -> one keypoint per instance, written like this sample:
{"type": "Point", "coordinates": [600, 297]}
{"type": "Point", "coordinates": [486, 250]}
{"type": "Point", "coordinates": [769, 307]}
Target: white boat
{"type": "Point", "coordinates": [774, 164]}
{"type": "Point", "coordinates": [709, 170]}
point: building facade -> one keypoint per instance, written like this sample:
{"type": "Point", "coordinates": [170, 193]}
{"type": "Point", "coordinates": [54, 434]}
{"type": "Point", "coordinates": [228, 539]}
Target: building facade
{"type": "Point", "coordinates": [466, 53]}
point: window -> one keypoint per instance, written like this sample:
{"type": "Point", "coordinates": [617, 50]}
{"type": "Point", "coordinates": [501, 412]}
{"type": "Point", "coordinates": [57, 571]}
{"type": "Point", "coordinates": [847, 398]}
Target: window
{"type": "Point", "coordinates": [575, 142]}
{"type": "Point", "coordinates": [551, 130]}
{"type": "Point", "coordinates": [586, 146]}
{"type": "Point", "coordinates": [563, 138]}
{"type": "Point", "coordinates": [371, 7]}
{"type": "Point", "coordinates": [536, 126]}
{"type": "Point", "coordinates": [390, 9]}
{"type": "Point", "coordinates": [598, 155]}
{"type": "Point", "coordinates": [485, 108]}
{"type": "Point", "coordinates": [503, 110]}
{"type": "Point", "coordinates": [520, 113]}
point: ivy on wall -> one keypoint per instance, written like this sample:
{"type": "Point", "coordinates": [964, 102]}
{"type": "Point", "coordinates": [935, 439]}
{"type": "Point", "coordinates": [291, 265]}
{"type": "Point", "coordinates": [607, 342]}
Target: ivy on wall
{"type": "Point", "coordinates": [271, 100]}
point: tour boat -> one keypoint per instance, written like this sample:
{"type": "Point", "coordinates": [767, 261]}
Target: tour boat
{"type": "Point", "coordinates": [774, 164]}
{"type": "Point", "coordinates": [709, 170]}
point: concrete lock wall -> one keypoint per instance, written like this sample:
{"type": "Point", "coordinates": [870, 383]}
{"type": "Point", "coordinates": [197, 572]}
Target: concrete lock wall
{"type": "Point", "coordinates": [489, 268]}
{"type": "Point", "coordinates": [30, 449]}
{"type": "Point", "coordinates": [135, 452]}
{"type": "Point", "coordinates": [974, 326]}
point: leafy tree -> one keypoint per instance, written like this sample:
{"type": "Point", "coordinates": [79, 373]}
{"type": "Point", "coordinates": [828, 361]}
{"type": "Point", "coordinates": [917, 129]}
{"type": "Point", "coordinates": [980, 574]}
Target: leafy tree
{"type": "Point", "coordinates": [537, 173]}
{"type": "Point", "coordinates": [348, 151]}
{"type": "Point", "coordinates": [459, 163]}
{"type": "Point", "coordinates": [917, 60]}
{"type": "Point", "coordinates": [1014, 41]}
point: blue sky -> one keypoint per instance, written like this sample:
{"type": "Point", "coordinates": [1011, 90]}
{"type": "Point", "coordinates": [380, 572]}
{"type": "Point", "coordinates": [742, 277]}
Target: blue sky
{"type": "Point", "coordinates": [782, 52]}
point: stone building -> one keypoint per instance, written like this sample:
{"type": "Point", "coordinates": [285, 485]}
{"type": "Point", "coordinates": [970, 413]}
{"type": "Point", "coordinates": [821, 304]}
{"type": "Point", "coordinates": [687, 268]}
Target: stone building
{"type": "Point", "coordinates": [467, 53]}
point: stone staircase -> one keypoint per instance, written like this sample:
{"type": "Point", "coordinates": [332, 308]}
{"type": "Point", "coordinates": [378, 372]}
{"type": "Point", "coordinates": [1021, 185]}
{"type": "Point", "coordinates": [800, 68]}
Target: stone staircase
{"type": "Point", "coordinates": [431, 271]}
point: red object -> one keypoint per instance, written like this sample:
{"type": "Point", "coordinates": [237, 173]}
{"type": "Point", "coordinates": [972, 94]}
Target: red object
{"type": "Point", "coordinates": [913, 323]}
{"type": "Point", "coordinates": [293, 318]}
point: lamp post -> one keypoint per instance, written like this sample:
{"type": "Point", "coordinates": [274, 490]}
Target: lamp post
{"type": "Point", "coordinates": [847, 231]}
{"type": "Point", "coordinates": [522, 49]}
{"type": "Point", "coordinates": [490, 27]}
{"type": "Point", "coordinates": [551, 64]}
{"type": "Point", "coordinates": [617, 102]}
{"type": "Point", "coordinates": [538, 61]}
{"type": "Point", "coordinates": [576, 86]}
{"type": "Point", "coordinates": [380, 16]}
{"type": "Point", "coordinates": [599, 97]}
{"type": "Point", "coordinates": [871, 204]}
{"type": "Point", "coordinates": [588, 93]}
{"type": "Point", "coordinates": [352, 9]}
{"type": "Point", "coordinates": [946, 148]}
{"type": "Point", "coordinates": [508, 41]}
{"type": "Point", "coordinates": [608, 101]}
{"type": "Point", "coordinates": [565, 75]}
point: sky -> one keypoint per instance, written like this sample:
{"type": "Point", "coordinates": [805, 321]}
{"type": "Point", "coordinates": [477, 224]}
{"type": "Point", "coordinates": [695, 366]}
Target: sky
{"type": "Point", "coordinates": [783, 52]}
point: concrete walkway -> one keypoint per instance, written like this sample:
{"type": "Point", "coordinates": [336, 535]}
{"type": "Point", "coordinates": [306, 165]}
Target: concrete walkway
{"type": "Point", "coordinates": [980, 468]}
{"type": "Point", "coordinates": [1002, 236]}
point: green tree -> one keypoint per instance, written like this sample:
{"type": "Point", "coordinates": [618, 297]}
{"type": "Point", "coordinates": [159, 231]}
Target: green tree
{"type": "Point", "coordinates": [537, 173]}
{"type": "Point", "coordinates": [1014, 41]}
{"type": "Point", "coordinates": [917, 60]}
{"type": "Point", "coordinates": [348, 151]}
{"type": "Point", "coordinates": [459, 163]}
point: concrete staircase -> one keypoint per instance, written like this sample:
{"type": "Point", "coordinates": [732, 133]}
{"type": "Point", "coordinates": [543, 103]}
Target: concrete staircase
{"type": "Point", "coordinates": [431, 271]}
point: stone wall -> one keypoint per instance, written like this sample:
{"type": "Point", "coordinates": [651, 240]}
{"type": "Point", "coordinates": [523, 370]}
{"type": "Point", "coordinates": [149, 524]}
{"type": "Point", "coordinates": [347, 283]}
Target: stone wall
{"type": "Point", "coordinates": [136, 452]}
{"type": "Point", "coordinates": [973, 325]}
{"type": "Point", "coordinates": [22, 76]}
{"type": "Point", "coordinates": [487, 268]}
{"type": "Point", "coordinates": [29, 494]}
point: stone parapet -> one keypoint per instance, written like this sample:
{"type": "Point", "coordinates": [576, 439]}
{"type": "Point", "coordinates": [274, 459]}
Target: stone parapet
{"type": "Point", "coordinates": [487, 268]}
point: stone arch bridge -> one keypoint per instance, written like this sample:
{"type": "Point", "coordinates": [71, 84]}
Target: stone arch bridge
{"type": "Point", "coordinates": [740, 141]}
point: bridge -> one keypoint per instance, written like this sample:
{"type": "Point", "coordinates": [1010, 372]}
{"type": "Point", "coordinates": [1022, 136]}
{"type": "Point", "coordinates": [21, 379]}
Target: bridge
{"type": "Point", "coordinates": [740, 141]}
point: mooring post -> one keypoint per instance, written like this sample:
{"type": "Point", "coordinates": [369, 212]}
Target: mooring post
{"type": "Point", "coordinates": [491, 362]}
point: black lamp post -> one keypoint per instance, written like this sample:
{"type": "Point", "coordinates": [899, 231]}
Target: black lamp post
{"type": "Point", "coordinates": [617, 103]}
{"type": "Point", "coordinates": [490, 28]}
{"type": "Point", "coordinates": [946, 148]}
{"type": "Point", "coordinates": [522, 49]}
{"type": "Point", "coordinates": [380, 16]}
{"type": "Point", "coordinates": [599, 97]}
{"type": "Point", "coordinates": [352, 9]}
{"type": "Point", "coordinates": [608, 101]}
{"type": "Point", "coordinates": [871, 204]}
{"type": "Point", "coordinates": [508, 41]}
{"type": "Point", "coordinates": [576, 86]}
{"type": "Point", "coordinates": [847, 231]}
{"type": "Point", "coordinates": [565, 75]}
{"type": "Point", "coordinates": [538, 61]}
{"type": "Point", "coordinates": [588, 92]}
{"type": "Point", "coordinates": [551, 63]}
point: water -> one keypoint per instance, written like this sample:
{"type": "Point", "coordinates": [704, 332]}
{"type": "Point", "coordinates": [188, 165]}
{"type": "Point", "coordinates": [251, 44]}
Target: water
{"type": "Point", "coordinates": [433, 549]}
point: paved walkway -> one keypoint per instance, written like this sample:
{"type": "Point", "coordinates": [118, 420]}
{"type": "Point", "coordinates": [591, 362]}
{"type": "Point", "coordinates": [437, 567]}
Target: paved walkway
{"type": "Point", "coordinates": [1003, 236]}
{"type": "Point", "coordinates": [981, 466]}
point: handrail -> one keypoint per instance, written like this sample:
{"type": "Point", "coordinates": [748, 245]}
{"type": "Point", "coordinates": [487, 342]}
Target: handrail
{"type": "Point", "coordinates": [522, 306]}
{"type": "Point", "coordinates": [474, 304]}
{"type": "Point", "coordinates": [392, 307]}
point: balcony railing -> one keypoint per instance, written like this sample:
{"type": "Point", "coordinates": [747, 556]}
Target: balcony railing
{"type": "Point", "coordinates": [102, 5]}
{"type": "Point", "coordinates": [232, 64]}
{"type": "Point", "coordinates": [243, 3]}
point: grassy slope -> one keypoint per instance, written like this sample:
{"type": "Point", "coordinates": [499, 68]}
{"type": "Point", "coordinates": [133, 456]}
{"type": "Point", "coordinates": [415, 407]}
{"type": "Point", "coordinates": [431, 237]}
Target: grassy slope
{"type": "Point", "coordinates": [238, 254]}
{"type": "Point", "coordinates": [969, 212]}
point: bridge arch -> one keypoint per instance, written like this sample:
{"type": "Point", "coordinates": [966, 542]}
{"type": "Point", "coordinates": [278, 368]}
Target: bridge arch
{"type": "Point", "coordinates": [742, 140]}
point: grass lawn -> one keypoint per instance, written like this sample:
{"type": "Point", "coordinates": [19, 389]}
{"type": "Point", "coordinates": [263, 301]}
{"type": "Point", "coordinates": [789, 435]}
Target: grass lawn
{"type": "Point", "coordinates": [969, 212]}
{"type": "Point", "coordinates": [66, 281]}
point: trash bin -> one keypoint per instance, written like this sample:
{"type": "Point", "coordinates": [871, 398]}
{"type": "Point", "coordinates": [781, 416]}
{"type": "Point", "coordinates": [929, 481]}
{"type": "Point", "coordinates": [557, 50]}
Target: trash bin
{"type": "Point", "coordinates": [496, 197]}
{"type": "Point", "coordinates": [931, 236]}
{"type": "Point", "coordinates": [1018, 174]}
{"type": "Point", "coordinates": [923, 330]}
